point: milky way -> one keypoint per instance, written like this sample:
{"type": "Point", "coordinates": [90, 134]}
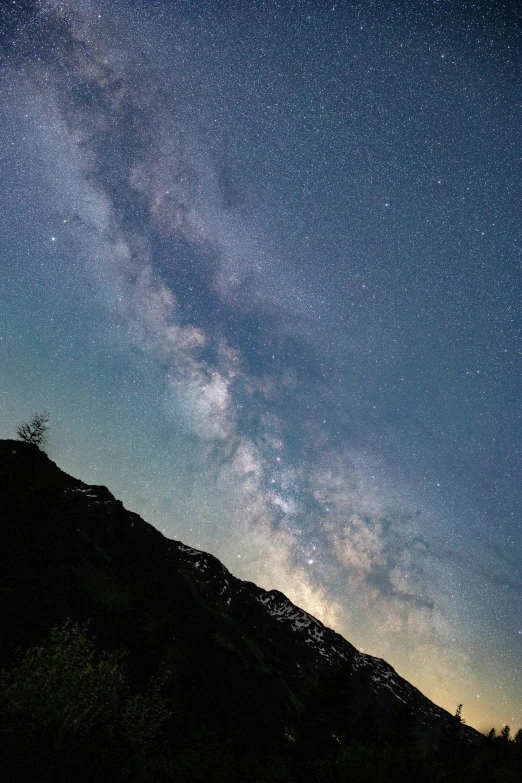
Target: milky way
{"type": "Point", "coordinates": [262, 264]}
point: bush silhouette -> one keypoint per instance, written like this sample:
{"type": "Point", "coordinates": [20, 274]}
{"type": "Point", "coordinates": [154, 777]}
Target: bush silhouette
{"type": "Point", "coordinates": [64, 705]}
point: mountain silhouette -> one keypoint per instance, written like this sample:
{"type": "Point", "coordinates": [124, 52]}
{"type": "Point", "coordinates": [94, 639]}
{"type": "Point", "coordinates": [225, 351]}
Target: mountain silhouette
{"type": "Point", "coordinates": [242, 660]}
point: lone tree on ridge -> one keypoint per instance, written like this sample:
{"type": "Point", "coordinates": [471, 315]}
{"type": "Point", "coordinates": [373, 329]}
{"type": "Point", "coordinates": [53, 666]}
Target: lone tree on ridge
{"type": "Point", "coordinates": [35, 430]}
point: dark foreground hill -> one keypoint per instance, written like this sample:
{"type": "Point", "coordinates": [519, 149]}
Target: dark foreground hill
{"type": "Point", "coordinates": [256, 688]}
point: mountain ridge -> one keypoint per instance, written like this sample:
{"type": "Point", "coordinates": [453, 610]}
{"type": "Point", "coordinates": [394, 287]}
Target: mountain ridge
{"type": "Point", "coordinates": [240, 655]}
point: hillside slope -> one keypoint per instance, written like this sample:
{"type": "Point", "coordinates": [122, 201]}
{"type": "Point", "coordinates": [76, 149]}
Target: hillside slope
{"type": "Point", "coordinates": [239, 658]}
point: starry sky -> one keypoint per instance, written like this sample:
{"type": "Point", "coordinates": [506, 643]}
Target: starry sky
{"type": "Point", "coordinates": [261, 262]}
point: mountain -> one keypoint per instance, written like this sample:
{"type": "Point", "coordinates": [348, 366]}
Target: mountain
{"type": "Point", "coordinates": [242, 660]}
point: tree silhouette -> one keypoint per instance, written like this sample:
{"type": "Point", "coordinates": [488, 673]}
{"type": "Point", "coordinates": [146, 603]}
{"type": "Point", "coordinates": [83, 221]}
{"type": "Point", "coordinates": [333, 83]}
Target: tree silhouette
{"type": "Point", "coordinates": [35, 430]}
{"type": "Point", "coordinates": [505, 734]}
{"type": "Point", "coordinates": [458, 715]}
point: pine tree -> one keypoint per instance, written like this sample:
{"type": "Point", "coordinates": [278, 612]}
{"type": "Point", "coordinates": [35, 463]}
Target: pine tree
{"type": "Point", "coordinates": [504, 734]}
{"type": "Point", "coordinates": [458, 714]}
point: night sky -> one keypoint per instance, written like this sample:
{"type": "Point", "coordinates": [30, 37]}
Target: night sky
{"type": "Point", "coordinates": [261, 262]}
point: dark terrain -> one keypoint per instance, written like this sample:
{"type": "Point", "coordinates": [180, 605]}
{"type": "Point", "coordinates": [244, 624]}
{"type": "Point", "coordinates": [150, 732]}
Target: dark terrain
{"type": "Point", "coordinates": [256, 689]}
